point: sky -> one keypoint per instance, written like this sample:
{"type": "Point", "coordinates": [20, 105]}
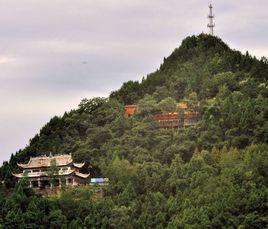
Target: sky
{"type": "Point", "coordinates": [53, 53]}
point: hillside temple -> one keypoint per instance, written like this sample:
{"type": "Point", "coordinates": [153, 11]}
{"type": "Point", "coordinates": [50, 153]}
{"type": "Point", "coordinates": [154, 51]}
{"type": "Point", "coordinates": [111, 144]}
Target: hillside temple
{"type": "Point", "coordinates": [37, 172]}
{"type": "Point", "coordinates": [187, 117]}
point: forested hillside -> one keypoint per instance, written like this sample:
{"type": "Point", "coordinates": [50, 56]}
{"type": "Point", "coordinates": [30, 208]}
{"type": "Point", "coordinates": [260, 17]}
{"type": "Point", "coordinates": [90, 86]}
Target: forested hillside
{"type": "Point", "coordinates": [211, 175]}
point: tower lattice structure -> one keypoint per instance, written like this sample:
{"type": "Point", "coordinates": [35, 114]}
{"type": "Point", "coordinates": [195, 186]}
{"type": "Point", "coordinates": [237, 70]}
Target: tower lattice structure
{"type": "Point", "coordinates": [211, 18]}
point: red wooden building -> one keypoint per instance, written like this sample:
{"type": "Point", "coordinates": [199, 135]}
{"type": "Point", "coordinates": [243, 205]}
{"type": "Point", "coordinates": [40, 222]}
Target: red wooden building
{"type": "Point", "coordinates": [168, 120]}
{"type": "Point", "coordinates": [130, 110]}
{"type": "Point", "coordinates": [186, 118]}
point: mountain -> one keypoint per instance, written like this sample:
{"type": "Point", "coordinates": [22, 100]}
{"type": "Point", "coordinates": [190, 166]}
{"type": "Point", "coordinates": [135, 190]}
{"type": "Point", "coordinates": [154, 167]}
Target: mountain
{"type": "Point", "coordinates": [210, 175]}
{"type": "Point", "coordinates": [191, 67]}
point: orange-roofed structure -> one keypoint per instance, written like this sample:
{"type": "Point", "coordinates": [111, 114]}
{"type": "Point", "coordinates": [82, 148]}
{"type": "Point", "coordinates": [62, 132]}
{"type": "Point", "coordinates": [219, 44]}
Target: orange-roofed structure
{"type": "Point", "coordinates": [130, 110]}
{"type": "Point", "coordinates": [187, 117]}
{"type": "Point", "coordinates": [182, 105]}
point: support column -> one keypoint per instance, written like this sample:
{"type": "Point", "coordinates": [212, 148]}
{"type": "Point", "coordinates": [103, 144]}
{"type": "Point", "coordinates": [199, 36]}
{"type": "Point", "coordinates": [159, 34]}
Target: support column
{"type": "Point", "coordinates": [59, 182]}
{"type": "Point", "coordinates": [39, 183]}
{"type": "Point", "coordinates": [67, 181]}
{"type": "Point", "coordinates": [31, 185]}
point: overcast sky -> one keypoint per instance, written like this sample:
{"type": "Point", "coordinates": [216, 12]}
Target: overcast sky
{"type": "Point", "coordinates": [53, 53]}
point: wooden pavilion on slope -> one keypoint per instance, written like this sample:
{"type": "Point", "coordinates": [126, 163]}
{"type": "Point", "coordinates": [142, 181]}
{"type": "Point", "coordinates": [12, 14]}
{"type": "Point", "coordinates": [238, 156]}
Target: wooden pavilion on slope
{"type": "Point", "coordinates": [38, 172]}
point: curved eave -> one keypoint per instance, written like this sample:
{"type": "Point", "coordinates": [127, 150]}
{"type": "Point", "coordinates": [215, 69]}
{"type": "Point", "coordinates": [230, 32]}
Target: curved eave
{"type": "Point", "coordinates": [23, 166]}
{"type": "Point", "coordinates": [20, 175]}
{"type": "Point", "coordinates": [35, 175]}
{"type": "Point", "coordinates": [26, 166]}
{"type": "Point", "coordinates": [78, 165]}
{"type": "Point", "coordinates": [67, 173]}
{"type": "Point", "coordinates": [81, 175]}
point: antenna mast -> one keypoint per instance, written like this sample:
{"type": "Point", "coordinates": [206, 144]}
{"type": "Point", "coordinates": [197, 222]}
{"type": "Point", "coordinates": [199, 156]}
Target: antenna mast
{"type": "Point", "coordinates": [211, 18]}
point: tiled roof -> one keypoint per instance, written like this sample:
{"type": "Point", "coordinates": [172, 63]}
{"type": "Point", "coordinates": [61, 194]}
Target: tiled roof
{"type": "Point", "coordinates": [79, 165]}
{"type": "Point", "coordinates": [182, 105]}
{"type": "Point", "coordinates": [44, 161]}
{"type": "Point", "coordinates": [82, 175]}
{"type": "Point", "coordinates": [43, 174]}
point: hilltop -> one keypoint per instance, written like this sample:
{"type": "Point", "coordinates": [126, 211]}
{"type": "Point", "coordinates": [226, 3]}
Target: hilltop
{"type": "Point", "coordinates": [191, 67]}
{"type": "Point", "coordinates": [208, 175]}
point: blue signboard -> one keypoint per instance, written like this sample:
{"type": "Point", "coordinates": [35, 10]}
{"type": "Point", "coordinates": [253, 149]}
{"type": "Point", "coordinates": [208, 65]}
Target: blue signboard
{"type": "Point", "coordinates": [99, 180]}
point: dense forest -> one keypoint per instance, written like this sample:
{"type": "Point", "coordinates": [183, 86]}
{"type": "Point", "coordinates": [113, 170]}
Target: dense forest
{"type": "Point", "coordinates": [210, 175]}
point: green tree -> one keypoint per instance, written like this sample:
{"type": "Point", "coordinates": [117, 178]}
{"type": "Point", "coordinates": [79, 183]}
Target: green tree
{"type": "Point", "coordinates": [57, 219]}
{"type": "Point", "coordinates": [168, 105]}
{"type": "Point", "coordinates": [53, 172]}
{"type": "Point", "coordinates": [147, 107]}
{"type": "Point", "coordinates": [120, 218]}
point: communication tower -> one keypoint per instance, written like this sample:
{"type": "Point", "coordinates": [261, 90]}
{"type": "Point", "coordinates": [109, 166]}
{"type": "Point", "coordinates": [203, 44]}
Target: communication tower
{"type": "Point", "coordinates": [211, 18]}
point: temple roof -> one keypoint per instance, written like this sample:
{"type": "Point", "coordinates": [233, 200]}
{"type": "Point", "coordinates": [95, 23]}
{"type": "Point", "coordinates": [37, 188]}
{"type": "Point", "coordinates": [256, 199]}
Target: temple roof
{"type": "Point", "coordinates": [78, 165]}
{"type": "Point", "coordinates": [82, 175]}
{"type": "Point", "coordinates": [44, 161]}
{"type": "Point", "coordinates": [45, 174]}
{"type": "Point", "coordinates": [182, 105]}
